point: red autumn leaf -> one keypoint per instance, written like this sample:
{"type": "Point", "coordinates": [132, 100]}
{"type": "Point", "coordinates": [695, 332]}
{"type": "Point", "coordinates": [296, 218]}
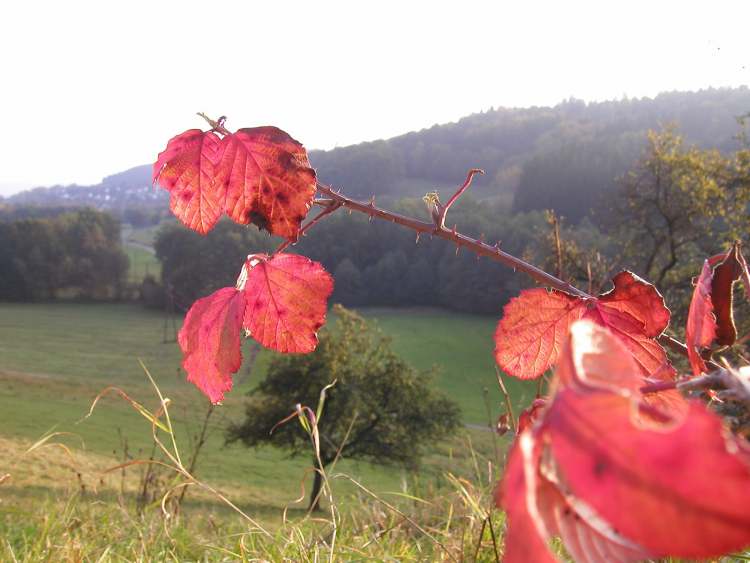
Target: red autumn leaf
{"type": "Point", "coordinates": [635, 312]}
{"type": "Point", "coordinates": [269, 180]}
{"type": "Point", "coordinates": [260, 176]}
{"type": "Point", "coordinates": [210, 341]}
{"type": "Point", "coordinates": [535, 324]}
{"type": "Point", "coordinates": [640, 300]}
{"type": "Point", "coordinates": [649, 482]}
{"type": "Point", "coordinates": [726, 274]}
{"type": "Point", "coordinates": [287, 299]}
{"type": "Point", "coordinates": [187, 169]}
{"type": "Point", "coordinates": [701, 323]}
{"type": "Point", "coordinates": [533, 330]}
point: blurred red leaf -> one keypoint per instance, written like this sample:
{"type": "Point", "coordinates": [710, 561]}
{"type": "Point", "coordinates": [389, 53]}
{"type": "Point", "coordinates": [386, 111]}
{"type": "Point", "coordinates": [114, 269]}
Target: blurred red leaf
{"type": "Point", "coordinates": [595, 360]}
{"type": "Point", "coordinates": [210, 341]}
{"type": "Point", "coordinates": [260, 176]}
{"type": "Point", "coordinates": [187, 169]}
{"type": "Point", "coordinates": [537, 509]}
{"type": "Point", "coordinates": [701, 323]}
{"type": "Point", "coordinates": [682, 491]}
{"type": "Point", "coordinates": [524, 540]}
{"type": "Point", "coordinates": [535, 324]}
{"type": "Point", "coordinates": [287, 299]}
{"type": "Point", "coordinates": [616, 485]}
{"type": "Point", "coordinates": [587, 537]}
{"type": "Point", "coordinates": [530, 415]}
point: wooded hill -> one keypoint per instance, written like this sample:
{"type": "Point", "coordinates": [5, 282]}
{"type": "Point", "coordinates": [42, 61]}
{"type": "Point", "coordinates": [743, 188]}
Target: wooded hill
{"type": "Point", "coordinates": [563, 157]}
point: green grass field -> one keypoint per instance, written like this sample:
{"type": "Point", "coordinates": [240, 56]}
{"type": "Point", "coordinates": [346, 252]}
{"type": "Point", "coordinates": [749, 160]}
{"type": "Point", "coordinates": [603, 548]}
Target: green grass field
{"type": "Point", "coordinates": [56, 357]}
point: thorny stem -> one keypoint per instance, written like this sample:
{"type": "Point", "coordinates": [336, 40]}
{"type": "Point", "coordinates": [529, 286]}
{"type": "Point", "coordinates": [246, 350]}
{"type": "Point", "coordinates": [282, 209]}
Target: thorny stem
{"type": "Point", "coordinates": [478, 247]}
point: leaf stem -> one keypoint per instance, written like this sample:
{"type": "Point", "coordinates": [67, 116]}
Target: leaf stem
{"type": "Point", "coordinates": [459, 192]}
{"type": "Point", "coordinates": [217, 125]}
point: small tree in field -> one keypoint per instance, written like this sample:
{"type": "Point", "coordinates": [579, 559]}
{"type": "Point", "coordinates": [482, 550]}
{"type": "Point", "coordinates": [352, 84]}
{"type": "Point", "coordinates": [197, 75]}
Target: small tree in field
{"type": "Point", "coordinates": [380, 409]}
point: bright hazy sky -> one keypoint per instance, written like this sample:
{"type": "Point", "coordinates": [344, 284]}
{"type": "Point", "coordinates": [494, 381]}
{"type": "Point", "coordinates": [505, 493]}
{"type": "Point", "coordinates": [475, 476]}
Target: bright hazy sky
{"type": "Point", "coordinates": [89, 89]}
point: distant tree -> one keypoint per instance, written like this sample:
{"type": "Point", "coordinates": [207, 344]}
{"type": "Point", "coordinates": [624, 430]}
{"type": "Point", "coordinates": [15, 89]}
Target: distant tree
{"type": "Point", "coordinates": [678, 203]}
{"type": "Point", "coordinates": [380, 409]}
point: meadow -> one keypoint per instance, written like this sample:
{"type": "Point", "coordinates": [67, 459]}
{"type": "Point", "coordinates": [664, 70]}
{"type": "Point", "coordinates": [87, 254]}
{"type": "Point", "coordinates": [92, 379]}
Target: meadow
{"type": "Point", "coordinates": [55, 358]}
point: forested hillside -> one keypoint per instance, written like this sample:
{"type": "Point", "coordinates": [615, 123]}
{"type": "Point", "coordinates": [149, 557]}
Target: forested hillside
{"type": "Point", "coordinates": [564, 157]}
{"type": "Point", "coordinates": [560, 158]}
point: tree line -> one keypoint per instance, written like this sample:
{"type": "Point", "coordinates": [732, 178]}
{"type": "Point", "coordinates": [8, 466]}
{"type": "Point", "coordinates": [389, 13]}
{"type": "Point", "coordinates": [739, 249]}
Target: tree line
{"type": "Point", "coordinates": [72, 254]}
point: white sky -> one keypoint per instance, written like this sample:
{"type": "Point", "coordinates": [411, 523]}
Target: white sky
{"type": "Point", "coordinates": [89, 89]}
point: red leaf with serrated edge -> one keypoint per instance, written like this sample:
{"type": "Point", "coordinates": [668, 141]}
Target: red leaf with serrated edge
{"type": "Point", "coordinates": [726, 274]}
{"type": "Point", "coordinates": [269, 180]}
{"type": "Point", "coordinates": [187, 169]}
{"type": "Point", "coordinates": [287, 299]}
{"type": "Point", "coordinates": [635, 312]}
{"type": "Point", "coordinates": [533, 329]}
{"type": "Point", "coordinates": [648, 483]}
{"type": "Point", "coordinates": [701, 323]}
{"type": "Point", "coordinates": [535, 324]}
{"type": "Point", "coordinates": [210, 341]}
{"type": "Point", "coordinates": [633, 295]}
{"type": "Point", "coordinates": [260, 176]}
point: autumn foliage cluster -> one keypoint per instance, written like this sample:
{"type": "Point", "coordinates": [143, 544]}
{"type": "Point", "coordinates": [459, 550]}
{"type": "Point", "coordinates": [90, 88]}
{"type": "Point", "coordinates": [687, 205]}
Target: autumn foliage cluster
{"type": "Point", "coordinates": [615, 461]}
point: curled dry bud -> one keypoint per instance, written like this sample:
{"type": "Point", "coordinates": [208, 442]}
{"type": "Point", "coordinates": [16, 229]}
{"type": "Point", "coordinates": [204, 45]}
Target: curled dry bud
{"type": "Point", "coordinates": [502, 427]}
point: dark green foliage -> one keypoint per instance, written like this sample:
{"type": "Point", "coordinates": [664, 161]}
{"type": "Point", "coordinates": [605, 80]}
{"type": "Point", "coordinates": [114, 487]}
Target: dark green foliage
{"type": "Point", "coordinates": [77, 252]}
{"type": "Point", "coordinates": [564, 154]}
{"type": "Point", "coordinates": [380, 409]}
{"type": "Point", "coordinates": [194, 265]}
